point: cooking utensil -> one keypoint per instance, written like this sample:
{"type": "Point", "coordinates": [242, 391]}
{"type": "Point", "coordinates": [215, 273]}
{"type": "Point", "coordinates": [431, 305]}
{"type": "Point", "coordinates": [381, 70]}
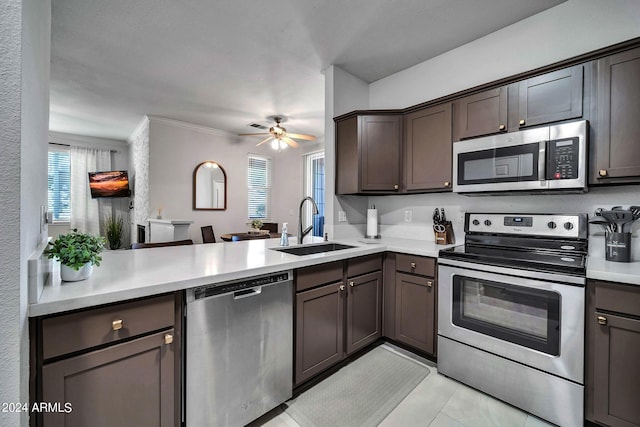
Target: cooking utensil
{"type": "Point", "coordinates": [598, 212]}
{"type": "Point", "coordinates": [635, 211]}
{"type": "Point", "coordinates": [616, 208]}
{"type": "Point", "coordinates": [612, 218]}
{"type": "Point", "coordinates": [624, 219]}
{"type": "Point", "coordinates": [436, 216]}
{"type": "Point", "coordinates": [443, 217]}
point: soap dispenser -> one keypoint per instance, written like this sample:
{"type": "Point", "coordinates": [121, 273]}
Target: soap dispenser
{"type": "Point", "coordinates": [284, 238]}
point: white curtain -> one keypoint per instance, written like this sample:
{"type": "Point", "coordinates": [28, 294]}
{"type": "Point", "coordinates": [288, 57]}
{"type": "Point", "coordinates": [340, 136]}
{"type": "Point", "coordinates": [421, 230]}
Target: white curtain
{"type": "Point", "coordinates": [87, 214]}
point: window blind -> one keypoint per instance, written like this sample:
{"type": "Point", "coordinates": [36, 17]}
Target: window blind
{"type": "Point", "coordinates": [259, 187]}
{"type": "Point", "coordinates": [59, 184]}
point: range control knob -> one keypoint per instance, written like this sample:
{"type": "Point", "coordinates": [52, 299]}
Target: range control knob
{"type": "Point", "coordinates": [487, 222]}
{"type": "Point", "coordinates": [568, 226]}
{"type": "Point", "coordinates": [475, 222]}
{"type": "Point", "coordinates": [551, 225]}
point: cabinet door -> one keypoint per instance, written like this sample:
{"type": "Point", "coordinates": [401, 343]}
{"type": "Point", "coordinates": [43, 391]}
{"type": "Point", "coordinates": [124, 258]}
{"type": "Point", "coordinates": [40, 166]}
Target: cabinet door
{"type": "Point", "coordinates": [616, 370]}
{"type": "Point", "coordinates": [129, 384]}
{"type": "Point", "coordinates": [616, 144]}
{"type": "Point", "coordinates": [428, 147]}
{"type": "Point", "coordinates": [319, 330]}
{"type": "Point", "coordinates": [347, 156]}
{"type": "Point", "coordinates": [380, 138]}
{"type": "Point", "coordinates": [415, 311]}
{"type": "Point", "coordinates": [550, 97]}
{"type": "Point", "coordinates": [481, 114]}
{"type": "Point", "coordinates": [364, 311]}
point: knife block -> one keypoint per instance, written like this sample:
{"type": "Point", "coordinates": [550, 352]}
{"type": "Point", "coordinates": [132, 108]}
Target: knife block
{"type": "Point", "coordinates": [446, 237]}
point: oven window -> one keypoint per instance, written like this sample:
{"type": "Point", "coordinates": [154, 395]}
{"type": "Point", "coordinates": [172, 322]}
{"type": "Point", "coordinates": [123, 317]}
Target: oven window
{"type": "Point", "coordinates": [521, 315]}
{"type": "Point", "coordinates": [508, 164]}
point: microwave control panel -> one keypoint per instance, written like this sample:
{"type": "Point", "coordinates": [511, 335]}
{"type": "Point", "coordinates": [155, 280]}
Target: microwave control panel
{"type": "Point", "coordinates": [562, 159]}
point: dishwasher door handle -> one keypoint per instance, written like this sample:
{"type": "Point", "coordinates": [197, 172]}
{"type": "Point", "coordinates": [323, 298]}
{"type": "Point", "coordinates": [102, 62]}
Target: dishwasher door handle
{"type": "Point", "coordinates": [246, 293]}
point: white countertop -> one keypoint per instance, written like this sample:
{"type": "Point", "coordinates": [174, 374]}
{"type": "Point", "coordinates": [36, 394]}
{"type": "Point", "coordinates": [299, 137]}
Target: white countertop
{"type": "Point", "coordinates": [624, 272]}
{"type": "Point", "coordinates": [128, 274]}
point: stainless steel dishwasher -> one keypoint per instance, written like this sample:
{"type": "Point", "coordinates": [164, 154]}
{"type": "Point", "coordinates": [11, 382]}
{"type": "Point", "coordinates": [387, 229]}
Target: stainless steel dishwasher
{"type": "Point", "coordinates": [239, 350]}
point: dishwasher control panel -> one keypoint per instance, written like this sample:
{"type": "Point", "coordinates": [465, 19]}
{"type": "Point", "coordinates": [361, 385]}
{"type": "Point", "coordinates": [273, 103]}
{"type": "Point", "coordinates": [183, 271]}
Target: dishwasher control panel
{"type": "Point", "coordinates": [253, 282]}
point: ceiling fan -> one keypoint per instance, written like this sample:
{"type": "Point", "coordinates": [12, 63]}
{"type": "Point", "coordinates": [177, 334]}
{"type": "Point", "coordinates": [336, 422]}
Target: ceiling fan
{"type": "Point", "coordinates": [279, 136]}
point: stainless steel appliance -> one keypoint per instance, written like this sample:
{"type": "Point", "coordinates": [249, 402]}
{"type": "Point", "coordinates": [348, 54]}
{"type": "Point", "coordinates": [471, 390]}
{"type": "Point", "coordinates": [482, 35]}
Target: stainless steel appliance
{"type": "Point", "coordinates": [511, 307]}
{"type": "Point", "coordinates": [533, 160]}
{"type": "Point", "coordinates": [239, 350]}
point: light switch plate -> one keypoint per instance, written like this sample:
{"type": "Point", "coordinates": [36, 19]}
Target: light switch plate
{"type": "Point", "coordinates": [342, 216]}
{"type": "Point", "coordinates": [408, 215]}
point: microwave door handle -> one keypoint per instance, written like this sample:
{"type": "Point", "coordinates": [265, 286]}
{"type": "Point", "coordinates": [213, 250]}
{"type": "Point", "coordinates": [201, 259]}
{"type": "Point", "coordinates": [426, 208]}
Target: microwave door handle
{"type": "Point", "coordinates": [542, 160]}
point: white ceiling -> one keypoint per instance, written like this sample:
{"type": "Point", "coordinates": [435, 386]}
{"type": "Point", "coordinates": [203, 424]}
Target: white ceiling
{"type": "Point", "coordinates": [226, 63]}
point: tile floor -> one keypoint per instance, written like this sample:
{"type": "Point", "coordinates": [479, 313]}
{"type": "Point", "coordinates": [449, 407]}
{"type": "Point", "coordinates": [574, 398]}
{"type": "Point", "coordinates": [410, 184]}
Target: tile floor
{"type": "Point", "coordinates": [441, 402]}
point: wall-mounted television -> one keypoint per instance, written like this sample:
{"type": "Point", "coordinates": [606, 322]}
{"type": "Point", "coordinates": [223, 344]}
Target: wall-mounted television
{"type": "Point", "coordinates": [109, 184]}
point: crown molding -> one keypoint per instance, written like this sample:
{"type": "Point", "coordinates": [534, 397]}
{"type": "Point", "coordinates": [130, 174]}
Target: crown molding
{"type": "Point", "coordinates": [85, 141]}
{"type": "Point", "coordinates": [190, 126]}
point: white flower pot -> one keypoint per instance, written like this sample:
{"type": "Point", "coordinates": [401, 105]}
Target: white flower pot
{"type": "Point", "coordinates": [68, 274]}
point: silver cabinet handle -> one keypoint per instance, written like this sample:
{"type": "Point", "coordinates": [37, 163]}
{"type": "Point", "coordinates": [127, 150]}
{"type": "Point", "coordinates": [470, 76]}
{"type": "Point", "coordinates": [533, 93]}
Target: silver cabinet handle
{"type": "Point", "coordinates": [117, 324]}
{"type": "Point", "coordinates": [352, 284]}
{"type": "Point", "coordinates": [602, 320]}
{"type": "Point", "coordinates": [429, 283]}
{"type": "Point", "coordinates": [168, 339]}
{"type": "Point", "coordinates": [342, 287]}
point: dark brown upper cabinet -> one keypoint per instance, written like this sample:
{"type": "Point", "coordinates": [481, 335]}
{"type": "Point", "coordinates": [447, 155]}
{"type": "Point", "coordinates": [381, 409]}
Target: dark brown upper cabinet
{"type": "Point", "coordinates": [481, 114]}
{"type": "Point", "coordinates": [615, 144]}
{"type": "Point", "coordinates": [427, 149]}
{"type": "Point", "coordinates": [368, 154]}
{"type": "Point", "coordinates": [548, 98]}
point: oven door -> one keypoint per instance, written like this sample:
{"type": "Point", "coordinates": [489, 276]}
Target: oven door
{"type": "Point", "coordinates": [505, 162]}
{"type": "Point", "coordinates": [538, 323]}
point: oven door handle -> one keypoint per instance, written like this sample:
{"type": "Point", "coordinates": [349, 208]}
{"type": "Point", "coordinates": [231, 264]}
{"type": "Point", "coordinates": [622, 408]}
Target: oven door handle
{"type": "Point", "coordinates": [542, 160]}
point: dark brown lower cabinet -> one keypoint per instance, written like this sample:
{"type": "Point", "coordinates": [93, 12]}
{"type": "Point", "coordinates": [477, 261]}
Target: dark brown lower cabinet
{"type": "Point", "coordinates": [613, 354]}
{"type": "Point", "coordinates": [319, 330]}
{"type": "Point", "coordinates": [336, 314]}
{"type": "Point", "coordinates": [364, 316]}
{"type": "Point", "coordinates": [114, 365]}
{"type": "Point", "coordinates": [129, 384]}
{"type": "Point", "coordinates": [415, 311]}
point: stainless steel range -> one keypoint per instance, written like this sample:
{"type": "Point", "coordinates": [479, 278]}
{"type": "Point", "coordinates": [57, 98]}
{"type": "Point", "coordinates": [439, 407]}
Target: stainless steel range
{"type": "Point", "coordinates": [511, 311]}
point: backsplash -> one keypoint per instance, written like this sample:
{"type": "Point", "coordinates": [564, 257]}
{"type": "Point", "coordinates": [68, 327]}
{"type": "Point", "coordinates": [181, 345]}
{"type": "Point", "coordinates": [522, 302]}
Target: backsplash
{"type": "Point", "coordinates": [392, 209]}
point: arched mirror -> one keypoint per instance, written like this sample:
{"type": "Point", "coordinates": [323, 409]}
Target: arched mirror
{"type": "Point", "coordinates": [209, 187]}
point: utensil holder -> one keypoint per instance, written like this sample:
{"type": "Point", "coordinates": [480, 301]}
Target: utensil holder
{"type": "Point", "coordinates": [446, 237]}
{"type": "Point", "coordinates": [617, 246]}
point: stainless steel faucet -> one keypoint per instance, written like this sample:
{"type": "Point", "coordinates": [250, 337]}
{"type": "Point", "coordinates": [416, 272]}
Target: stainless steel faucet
{"type": "Point", "coordinates": [301, 232]}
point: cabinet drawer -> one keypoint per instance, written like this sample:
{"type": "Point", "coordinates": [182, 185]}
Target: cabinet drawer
{"type": "Point", "coordinates": [365, 264]}
{"type": "Point", "coordinates": [78, 331]}
{"type": "Point", "coordinates": [619, 298]}
{"type": "Point", "coordinates": [316, 275]}
{"type": "Point", "coordinates": [416, 264]}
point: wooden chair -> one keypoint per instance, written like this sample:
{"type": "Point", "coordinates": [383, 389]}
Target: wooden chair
{"type": "Point", "coordinates": [271, 226]}
{"type": "Point", "coordinates": [161, 244]}
{"type": "Point", "coordinates": [207, 234]}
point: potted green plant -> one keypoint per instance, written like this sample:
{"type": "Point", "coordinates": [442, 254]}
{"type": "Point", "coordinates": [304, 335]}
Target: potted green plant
{"type": "Point", "coordinates": [256, 225]}
{"type": "Point", "coordinates": [77, 253]}
{"type": "Point", "coordinates": [114, 229]}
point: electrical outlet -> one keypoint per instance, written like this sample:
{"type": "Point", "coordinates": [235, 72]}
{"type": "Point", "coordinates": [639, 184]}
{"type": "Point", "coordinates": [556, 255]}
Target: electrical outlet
{"type": "Point", "coordinates": [342, 216]}
{"type": "Point", "coordinates": [408, 215]}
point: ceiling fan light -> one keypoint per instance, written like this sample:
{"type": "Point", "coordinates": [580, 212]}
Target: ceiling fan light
{"type": "Point", "coordinates": [275, 144]}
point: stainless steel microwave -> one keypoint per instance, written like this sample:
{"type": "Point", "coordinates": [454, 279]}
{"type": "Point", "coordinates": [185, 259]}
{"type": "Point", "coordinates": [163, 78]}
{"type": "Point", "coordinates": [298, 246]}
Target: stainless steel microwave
{"type": "Point", "coordinates": [551, 158]}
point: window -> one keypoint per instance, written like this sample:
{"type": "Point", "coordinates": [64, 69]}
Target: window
{"type": "Point", "coordinates": [259, 187]}
{"type": "Point", "coordinates": [59, 184]}
{"type": "Point", "coordinates": [314, 187]}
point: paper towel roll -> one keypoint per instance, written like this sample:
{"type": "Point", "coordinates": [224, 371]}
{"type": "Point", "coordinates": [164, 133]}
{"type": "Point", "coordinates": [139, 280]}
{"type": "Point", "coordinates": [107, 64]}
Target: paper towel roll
{"type": "Point", "coordinates": [372, 222]}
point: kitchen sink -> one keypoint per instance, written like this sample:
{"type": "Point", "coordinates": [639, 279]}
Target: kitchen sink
{"type": "Point", "coordinates": [314, 249]}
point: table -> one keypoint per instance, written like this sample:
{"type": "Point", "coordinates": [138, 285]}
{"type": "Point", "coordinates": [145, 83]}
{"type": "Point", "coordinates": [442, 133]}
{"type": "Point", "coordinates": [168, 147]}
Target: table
{"type": "Point", "coordinates": [248, 236]}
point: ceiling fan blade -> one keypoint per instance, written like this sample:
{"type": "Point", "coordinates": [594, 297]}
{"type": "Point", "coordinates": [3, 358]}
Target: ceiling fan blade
{"type": "Point", "coordinates": [264, 140]}
{"type": "Point", "coordinates": [301, 136]}
{"type": "Point", "coordinates": [290, 141]}
{"type": "Point", "coordinates": [253, 134]}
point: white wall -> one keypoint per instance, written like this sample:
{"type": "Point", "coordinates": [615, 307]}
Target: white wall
{"type": "Point", "coordinates": [119, 161]}
{"type": "Point", "coordinates": [24, 116]}
{"type": "Point", "coordinates": [569, 29]}
{"type": "Point", "coordinates": [176, 148]}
